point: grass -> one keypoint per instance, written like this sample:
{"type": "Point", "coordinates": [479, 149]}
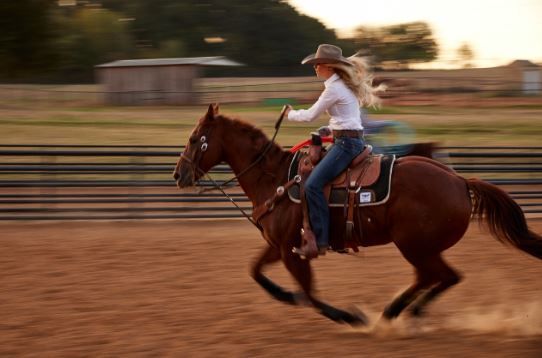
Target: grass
{"type": "Point", "coordinates": [72, 123]}
{"type": "Point", "coordinates": [56, 121]}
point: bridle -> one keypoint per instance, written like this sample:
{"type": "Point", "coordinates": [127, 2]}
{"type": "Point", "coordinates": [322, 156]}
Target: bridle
{"type": "Point", "coordinates": [194, 165]}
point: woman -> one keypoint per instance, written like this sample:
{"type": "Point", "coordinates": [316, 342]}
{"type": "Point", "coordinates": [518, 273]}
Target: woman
{"type": "Point", "coordinates": [348, 85]}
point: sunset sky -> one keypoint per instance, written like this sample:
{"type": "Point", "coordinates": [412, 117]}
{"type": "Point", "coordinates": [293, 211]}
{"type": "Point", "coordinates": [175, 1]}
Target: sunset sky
{"type": "Point", "coordinates": [498, 31]}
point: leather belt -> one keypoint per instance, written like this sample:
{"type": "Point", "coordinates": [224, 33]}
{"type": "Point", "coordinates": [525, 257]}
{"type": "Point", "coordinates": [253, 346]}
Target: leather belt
{"type": "Point", "coordinates": [352, 133]}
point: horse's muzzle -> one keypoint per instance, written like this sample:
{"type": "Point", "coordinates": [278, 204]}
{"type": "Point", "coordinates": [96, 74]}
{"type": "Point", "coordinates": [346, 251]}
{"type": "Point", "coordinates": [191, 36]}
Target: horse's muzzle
{"type": "Point", "coordinates": [176, 175]}
{"type": "Point", "coordinates": [183, 179]}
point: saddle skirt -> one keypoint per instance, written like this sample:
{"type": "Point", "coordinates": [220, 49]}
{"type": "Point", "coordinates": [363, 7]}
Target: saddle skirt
{"type": "Point", "coordinates": [369, 175]}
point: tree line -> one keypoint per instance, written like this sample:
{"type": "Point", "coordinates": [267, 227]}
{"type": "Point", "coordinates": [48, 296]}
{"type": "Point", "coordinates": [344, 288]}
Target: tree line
{"type": "Point", "coordinates": [62, 40]}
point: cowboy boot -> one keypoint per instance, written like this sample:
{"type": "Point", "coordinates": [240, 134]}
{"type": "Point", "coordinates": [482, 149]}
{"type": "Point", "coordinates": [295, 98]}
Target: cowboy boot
{"type": "Point", "coordinates": [309, 249]}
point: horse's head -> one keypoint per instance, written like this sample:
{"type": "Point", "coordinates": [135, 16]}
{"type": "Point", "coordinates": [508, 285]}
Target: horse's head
{"type": "Point", "coordinates": [203, 150]}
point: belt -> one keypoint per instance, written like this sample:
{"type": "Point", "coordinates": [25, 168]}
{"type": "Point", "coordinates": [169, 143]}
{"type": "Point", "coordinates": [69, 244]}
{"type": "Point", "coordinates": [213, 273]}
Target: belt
{"type": "Point", "coordinates": [352, 133]}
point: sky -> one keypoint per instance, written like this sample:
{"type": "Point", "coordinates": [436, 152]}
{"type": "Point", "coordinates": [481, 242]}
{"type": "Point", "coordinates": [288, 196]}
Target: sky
{"type": "Point", "coordinates": [498, 31]}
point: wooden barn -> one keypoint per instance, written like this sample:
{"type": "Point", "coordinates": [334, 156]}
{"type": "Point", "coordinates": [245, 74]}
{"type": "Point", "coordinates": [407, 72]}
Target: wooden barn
{"type": "Point", "coordinates": [154, 81]}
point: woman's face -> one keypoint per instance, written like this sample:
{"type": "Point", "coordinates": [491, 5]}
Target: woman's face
{"type": "Point", "coordinates": [323, 71]}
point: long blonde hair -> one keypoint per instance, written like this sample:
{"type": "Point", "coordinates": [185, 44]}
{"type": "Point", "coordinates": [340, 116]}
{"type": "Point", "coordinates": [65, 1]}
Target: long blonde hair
{"type": "Point", "coordinates": [359, 79]}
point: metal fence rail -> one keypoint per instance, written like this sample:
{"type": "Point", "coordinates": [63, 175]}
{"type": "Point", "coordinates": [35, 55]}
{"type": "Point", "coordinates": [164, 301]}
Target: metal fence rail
{"type": "Point", "coordinates": [42, 182]}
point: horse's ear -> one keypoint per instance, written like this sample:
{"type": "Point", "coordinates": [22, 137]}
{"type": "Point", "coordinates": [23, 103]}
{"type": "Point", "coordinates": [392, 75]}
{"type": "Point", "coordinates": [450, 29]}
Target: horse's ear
{"type": "Point", "coordinates": [212, 111]}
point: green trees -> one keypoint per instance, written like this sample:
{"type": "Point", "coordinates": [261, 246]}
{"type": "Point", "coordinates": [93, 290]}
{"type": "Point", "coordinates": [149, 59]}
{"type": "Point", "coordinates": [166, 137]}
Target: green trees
{"type": "Point", "coordinates": [26, 36]}
{"type": "Point", "coordinates": [41, 40]}
{"type": "Point", "coordinates": [398, 45]}
{"type": "Point", "coordinates": [267, 35]}
{"type": "Point", "coordinates": [87, 37]}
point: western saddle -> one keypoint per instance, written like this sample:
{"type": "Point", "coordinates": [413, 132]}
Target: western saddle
{"type": "Point", "coordinates": [363, 171]}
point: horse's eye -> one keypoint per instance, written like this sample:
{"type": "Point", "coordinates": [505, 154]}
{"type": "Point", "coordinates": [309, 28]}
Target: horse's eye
{"type": "Point", "coordinates": [193, 140]}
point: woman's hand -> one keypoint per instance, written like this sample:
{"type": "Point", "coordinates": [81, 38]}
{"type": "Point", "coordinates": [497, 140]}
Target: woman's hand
{"type": "Point", "coordinates": [325, 131]}
{"type": "Point", "coordinates": [288, 109]}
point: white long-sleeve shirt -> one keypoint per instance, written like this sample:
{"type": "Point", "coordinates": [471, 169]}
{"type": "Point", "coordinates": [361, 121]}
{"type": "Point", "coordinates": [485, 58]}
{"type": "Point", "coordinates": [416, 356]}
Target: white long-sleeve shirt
{"type": "Point", "coordinates": [338, 101]}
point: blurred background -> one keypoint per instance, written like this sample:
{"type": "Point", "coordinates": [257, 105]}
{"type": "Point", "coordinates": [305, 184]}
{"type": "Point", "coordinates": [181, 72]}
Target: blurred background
{"type": "Point", "coordinates": [78, 42]}
{"type": "Point", "coordinates": [97, 99]}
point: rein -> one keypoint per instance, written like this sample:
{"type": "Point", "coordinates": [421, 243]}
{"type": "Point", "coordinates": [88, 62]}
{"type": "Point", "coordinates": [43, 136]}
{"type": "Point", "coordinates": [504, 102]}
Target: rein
{"type": "Point", "coordinates": [236, 177]}
{"type": "Point", "coordinates": [219, 187]}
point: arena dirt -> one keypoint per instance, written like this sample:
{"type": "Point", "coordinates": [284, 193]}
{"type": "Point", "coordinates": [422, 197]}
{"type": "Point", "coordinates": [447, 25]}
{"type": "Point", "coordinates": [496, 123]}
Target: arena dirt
{"type": "Point", "coordinates": [182, 288]}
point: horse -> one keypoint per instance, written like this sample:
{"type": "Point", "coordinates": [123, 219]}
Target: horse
{"type": "Point", "coordinates": [428, 211]}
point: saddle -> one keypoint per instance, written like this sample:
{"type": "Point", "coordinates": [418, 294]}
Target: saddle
{"type": "Point", "coordinates": [365, 182]}
{"type": "Point", "coordinates": [369, 173]}
{"type": "Point", "coordinates": [364, 170]}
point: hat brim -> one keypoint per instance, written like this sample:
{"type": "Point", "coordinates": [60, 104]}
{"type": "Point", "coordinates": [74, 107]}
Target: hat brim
{"type": "Point", "coordinates": [313, 60]}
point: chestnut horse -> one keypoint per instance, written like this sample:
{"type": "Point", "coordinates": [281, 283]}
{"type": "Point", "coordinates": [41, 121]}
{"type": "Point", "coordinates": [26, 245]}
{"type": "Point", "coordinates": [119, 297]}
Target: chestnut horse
{"type": "Point", "coordinates": [428, 211]}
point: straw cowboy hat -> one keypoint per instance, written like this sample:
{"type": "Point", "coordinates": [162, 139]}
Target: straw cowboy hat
{"type": "Point", "coordinates": [326, 54]}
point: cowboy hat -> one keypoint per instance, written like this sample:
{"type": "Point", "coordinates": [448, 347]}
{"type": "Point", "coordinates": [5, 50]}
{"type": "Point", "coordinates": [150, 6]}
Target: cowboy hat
{"type": "Point", "coordinates": [326, 54]}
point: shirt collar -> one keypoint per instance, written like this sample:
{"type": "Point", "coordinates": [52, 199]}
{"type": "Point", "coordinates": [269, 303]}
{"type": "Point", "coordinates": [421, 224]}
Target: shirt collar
{"type": "Point", "coordinates": [333, 77]}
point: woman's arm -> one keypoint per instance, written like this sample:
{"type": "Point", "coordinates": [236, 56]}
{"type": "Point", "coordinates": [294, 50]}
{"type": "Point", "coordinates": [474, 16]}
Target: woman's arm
{"type": "Point", "coordinates": [326, 100]}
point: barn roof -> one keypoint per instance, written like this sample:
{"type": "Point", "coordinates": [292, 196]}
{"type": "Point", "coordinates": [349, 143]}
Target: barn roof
{"type": "Point", "coordinates": [522, 63]}
{"type": "Point", "coordinates": [181, 61]}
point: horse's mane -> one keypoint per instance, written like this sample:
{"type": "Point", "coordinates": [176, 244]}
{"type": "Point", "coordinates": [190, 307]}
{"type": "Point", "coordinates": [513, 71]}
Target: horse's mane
{"type": "Point", "coordinates": [258, 143]}
{"type": "Point", "coordinates": [256, 135]}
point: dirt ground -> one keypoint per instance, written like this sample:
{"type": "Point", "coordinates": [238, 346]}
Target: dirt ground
{"type": "Point", "coordinates": [182, 288]}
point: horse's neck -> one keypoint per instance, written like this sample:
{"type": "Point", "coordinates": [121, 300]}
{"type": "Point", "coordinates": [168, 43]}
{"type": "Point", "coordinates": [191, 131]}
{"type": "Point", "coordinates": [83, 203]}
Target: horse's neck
{"type": "Point", "coordinates": [261, 180]}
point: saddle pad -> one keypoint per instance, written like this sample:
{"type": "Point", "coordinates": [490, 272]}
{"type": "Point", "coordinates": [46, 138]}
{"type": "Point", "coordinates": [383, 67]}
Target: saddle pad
{"type": "Point", "coordinates": [375, 194]}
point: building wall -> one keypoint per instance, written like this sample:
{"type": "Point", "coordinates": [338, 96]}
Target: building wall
{"type": "Point", "coordinates": [148, 85]}
{"type": "Point", "coordinates": [504, 80]}
{"type": "Point", "coordinates": [180, 84]}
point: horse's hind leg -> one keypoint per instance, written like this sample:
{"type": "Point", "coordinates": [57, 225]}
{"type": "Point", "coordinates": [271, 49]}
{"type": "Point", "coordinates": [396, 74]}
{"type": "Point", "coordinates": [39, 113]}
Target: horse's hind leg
{"type": "Point", "coordinates": [302, 272]}
{"type": "Point", "coordinates": [404, 299]}
{"type": "Point", "coordinates": [268, 256]}
{"type": "Point", "coordinates": [447, 278]}
{"type": "Point", "coordinates": [433, 276]}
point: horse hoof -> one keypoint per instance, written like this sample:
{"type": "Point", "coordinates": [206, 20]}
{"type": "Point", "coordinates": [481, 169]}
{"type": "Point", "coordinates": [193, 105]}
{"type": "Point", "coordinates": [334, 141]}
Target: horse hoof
{"type": "Point", "coordinates": [359, 318]}
{"type": "Point", "coordinates": [416, 312]}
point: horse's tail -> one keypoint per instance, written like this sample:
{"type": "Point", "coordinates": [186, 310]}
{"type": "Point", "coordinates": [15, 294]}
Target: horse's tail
{"type": "Point", "coordinates": [503, 216]}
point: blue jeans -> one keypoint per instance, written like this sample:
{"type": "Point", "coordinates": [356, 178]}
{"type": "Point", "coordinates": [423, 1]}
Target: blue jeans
{"type": "Point", "coordinates": [336, 160]}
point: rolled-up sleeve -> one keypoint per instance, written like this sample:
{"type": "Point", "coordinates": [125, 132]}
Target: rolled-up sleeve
{"type": "Point", "coordinates": [326, 100]}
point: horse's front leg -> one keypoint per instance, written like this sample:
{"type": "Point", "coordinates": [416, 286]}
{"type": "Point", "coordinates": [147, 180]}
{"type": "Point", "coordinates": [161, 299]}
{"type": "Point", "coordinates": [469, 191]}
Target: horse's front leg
{"type": "Point", "coordinates": [302, 272]}
{"type": "Point", "coordinates": [268, 256]}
